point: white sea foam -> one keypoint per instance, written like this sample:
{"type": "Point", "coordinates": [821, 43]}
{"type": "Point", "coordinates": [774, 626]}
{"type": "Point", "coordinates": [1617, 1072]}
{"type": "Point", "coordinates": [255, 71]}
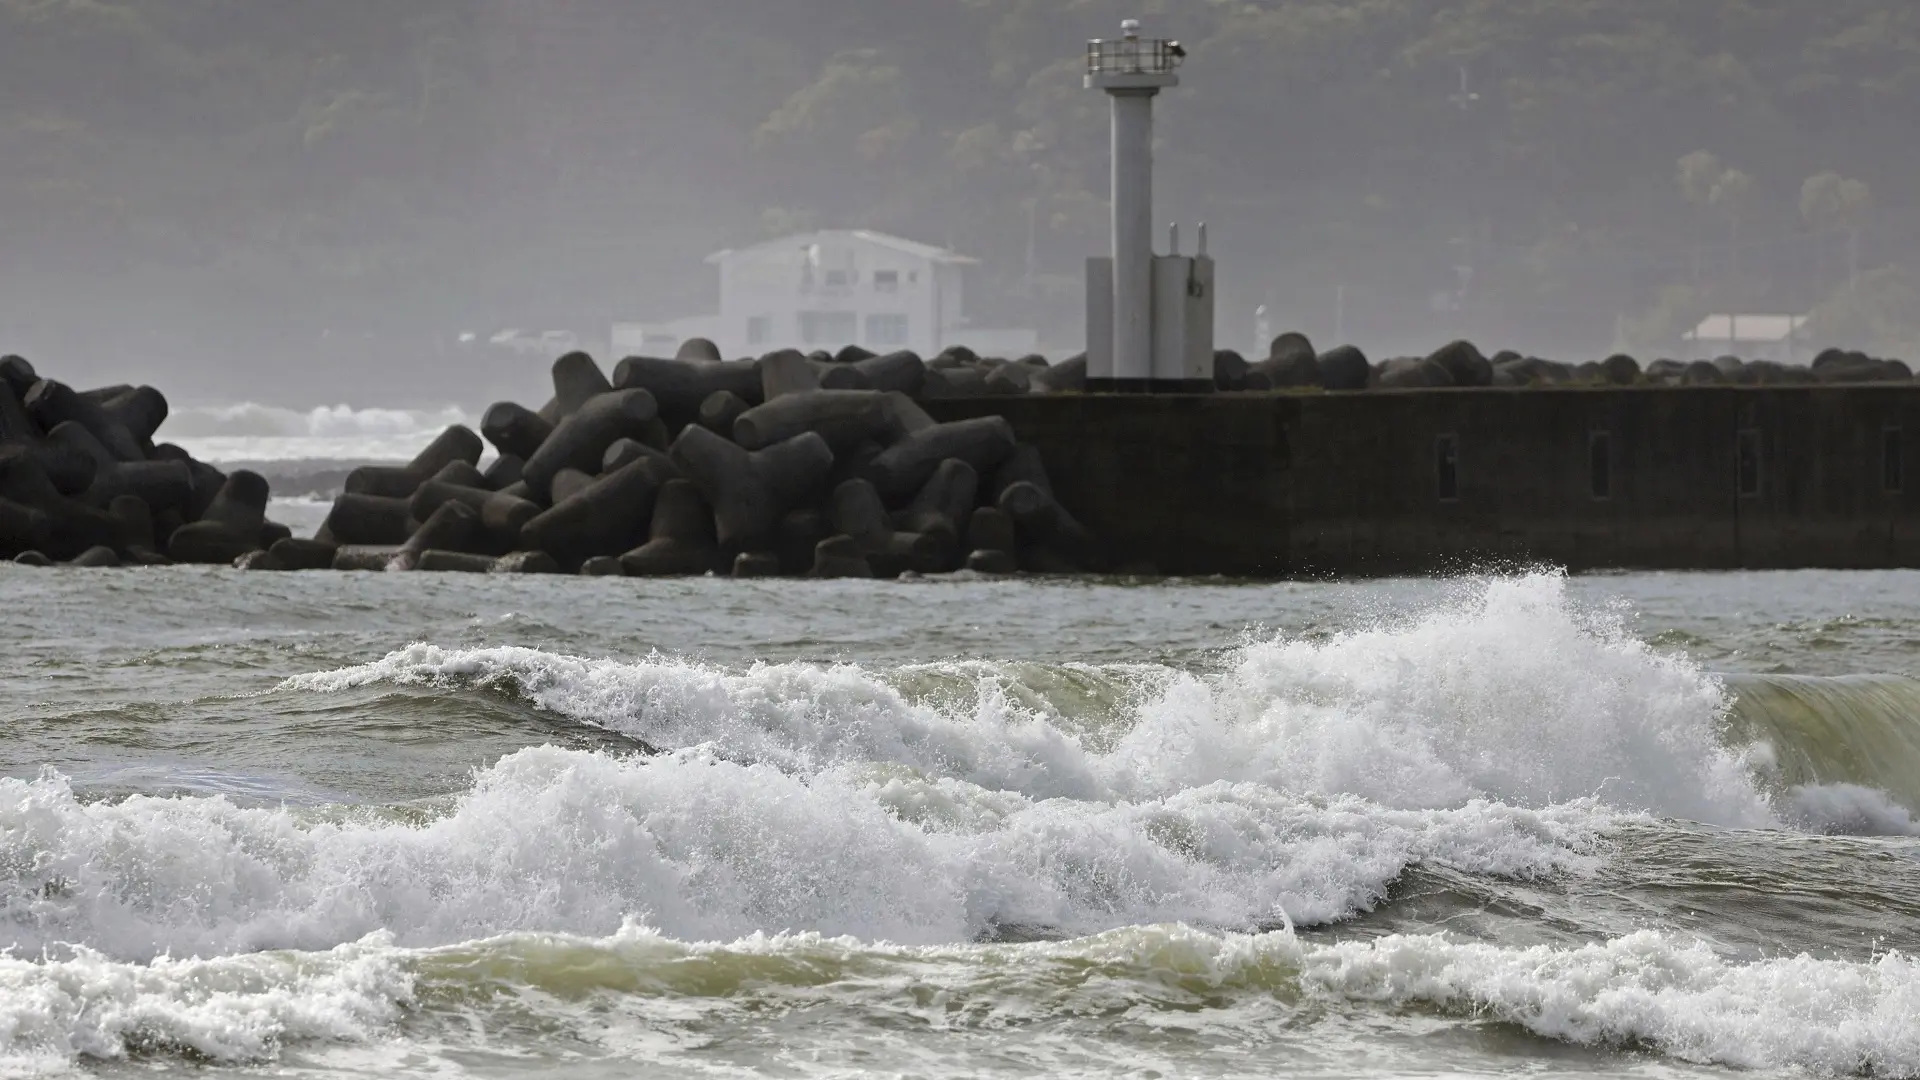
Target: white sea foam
{"type": "Point", "coordinates": [260, 433]}
{"type": "Point", "coordinates": [1850, 809]}
{"type": "Point", "coordinates": [230, 1009]}
{"type": "Point", "coordinates": [1510, 694]}
{"type": "Point", "coordinates": [571, 841]}
{"type": "Point", "coordinates": [804, 812]}
{"type": "Point", "coordinates": [1261, 992]}
{"type": "Point", "coordinates": [1830, 1017]}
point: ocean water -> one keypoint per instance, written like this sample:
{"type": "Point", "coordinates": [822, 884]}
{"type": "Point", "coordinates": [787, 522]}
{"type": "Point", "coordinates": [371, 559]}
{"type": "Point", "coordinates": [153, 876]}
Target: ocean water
{"type": "Point", "coordinates": [412, 825]}
{"type": "Point", "coordinates": [250, 433]}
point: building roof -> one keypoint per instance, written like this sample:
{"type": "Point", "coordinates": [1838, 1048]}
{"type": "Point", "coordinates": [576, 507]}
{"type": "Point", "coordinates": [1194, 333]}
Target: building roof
{"type": "Point", "coordinates": [863, 236]}
{"type": "Point", "coordinates": [1748, 328]}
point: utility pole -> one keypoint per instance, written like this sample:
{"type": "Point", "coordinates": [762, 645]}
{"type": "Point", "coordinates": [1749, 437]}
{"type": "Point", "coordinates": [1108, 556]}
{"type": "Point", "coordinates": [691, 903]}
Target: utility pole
{"type": "Point", "coordinates": [1466, 99]}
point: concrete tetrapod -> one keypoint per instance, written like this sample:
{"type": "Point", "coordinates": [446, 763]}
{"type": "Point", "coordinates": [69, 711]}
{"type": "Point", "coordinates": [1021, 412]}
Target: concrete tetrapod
{"type": "Point", "coordinates": [137, 539]}
{"type": "Point", "coordinates": [139, 409]}
{"type": "Point", "coordinates": [99, 557]}
{"type": "Point", "coordinates": [756, 564]}
{"type": "Point", "coordinates": [461, 473]}
{"type": "Point", "coordinates": [576, 381]}
{"type": "Point", "coordinates": [901, 372]}
{"type": "Point", "coordinates": [567, 483]}
{"type": "Point", "coordinates": [230, 527]}
{"type": "Point", "coordinates": [15, 425]}
{"type": "Point", "coordinates": [74, 526]}
{"type": "Point", "coordinates": [1009, 380]}
{"type": "Point", "coordinates": [457, 445]}
{"type": "Point", "coordinates": [838, 376]}
{"type": "Point", "coordinates": [1023, 464]}
{"type": "Point", "coordinates": [582, 440]}
{"type": "Point", "coordinates": [1041, 520]}
{"type": "Point", "coordinates": [749, 491]}
{"type": "Point", "coordinates": [681, 540]}
{"type": "Point", "coordinates": [22, 528]}
{"type": "Point", "coordinates": [786, 372]}
{"type": "Point", "coordinates": [844, 418]}
{"type": "Point", "coordinates": [162, 484]}
{"type": "Point", "coordinates": [1344, 368]}
{"type": "Point", "coordinates": [53, 403]}
{"type": "Point", "coordinates": [514, 429]}
{"type": "Point", "coordinates": [946, 501]}
{"type": "Point", "coordinates": [18, 374]}
{"type": "Point", "coordinates": [905, 467]}
{"type": "Point", "coordinates": [368, 521]}
{"type": "Point", "coordinates": [1066, 377]}
{"type": "Point", "coordinates": [990, 529]}
{"type": "Point", "coordinates": [504, 472]}
{"type": "Point", "coordinates": [993, 561]}
{"type": "Point", "coordinates": [526, 562]}
{"type": "Point", "coordinates": [627, 451]}
{"type": "Point", "coordinates": [795, 537]}
{"type": "Point", "coordinates": [502, 516]}
{"type": "Point", "coordinates": [681, 386]}
{"type": "Point", "coordinates": [383, 481]}
{"type": "Point", "coordinates": [360, 558]}
{"type": "Point", "coordinates": [719, 411]}
{"type": "Point", "coordinates": [297, 554]}
{"type": "Point", "coordinates": [455, 526]}
{"type": "Point", "coordinates": [856, 510]}
{"type": "Point", "coordinates": [71, 471]}
{"type": "Point", "coordinates": [839, 557]}
{"type": "Point", "coordinates": [605, 519]}
{"type": "Point", "coordinates": [698, 349]}
{"type": "Point", "coordinates": [435, 561]}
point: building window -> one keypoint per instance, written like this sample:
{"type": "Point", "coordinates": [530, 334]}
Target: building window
{"type": "Point", "coordinates": [829, 327]}
{"type": "Point", "coordinates": [886, 281]}
{"type": "Point", "coordinates": [1893, 471]}
{"type": "Point", "coordinates": [760, 330]}
{"type": "Point", "coordinates": [1600, 465]}
{"type": "Point", "coordinates": [837, 279]}
{"type": "Point", "coordinates": [1447, 467]}
{"type": "Point", "coordinates": [887, 330]}
{"type": "Point", "coordinates": [1749, 464]}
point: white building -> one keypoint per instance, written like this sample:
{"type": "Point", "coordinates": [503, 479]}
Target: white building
{"type": "Point", "coordinates": [1780, 338]}
{"type": "Point", "coordinates": [829, 289]}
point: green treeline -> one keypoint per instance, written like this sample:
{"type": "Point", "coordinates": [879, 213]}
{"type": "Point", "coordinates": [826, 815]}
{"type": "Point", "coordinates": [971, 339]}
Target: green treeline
{"type": "Point", "coordinates": [1530, 172]}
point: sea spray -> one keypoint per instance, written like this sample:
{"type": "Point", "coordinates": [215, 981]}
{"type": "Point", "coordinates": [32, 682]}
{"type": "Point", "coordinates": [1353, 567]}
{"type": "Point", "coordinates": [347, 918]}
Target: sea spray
{"type": "Point", "coordinates": [262, 433]}
{"type": "Point", "coordinates": [572, 841]}
{"type": "Point", "coordinates": [1512, 694]}
{"type": "Point", "coordinates": [1272, 996]}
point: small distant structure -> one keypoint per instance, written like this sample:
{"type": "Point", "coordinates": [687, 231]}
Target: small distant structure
{"type": "Point", "coordinates": [830, 289]}
{"type": "Point", "coordinates": [1779, 338]}
{"type": "Point", "coordinates": [1149, 316]}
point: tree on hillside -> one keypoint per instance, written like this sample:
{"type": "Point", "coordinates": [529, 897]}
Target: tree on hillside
{"type": "Point", "coordinates": [1699, 172]}
{"type": "Point", "coordinates": [1833, 203]}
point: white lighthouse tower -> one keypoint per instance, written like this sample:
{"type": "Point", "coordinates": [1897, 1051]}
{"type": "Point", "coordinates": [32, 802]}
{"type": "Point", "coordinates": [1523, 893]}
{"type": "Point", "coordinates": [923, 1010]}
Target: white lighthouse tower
{"type": "Point", "coordinates": [1149, 317]}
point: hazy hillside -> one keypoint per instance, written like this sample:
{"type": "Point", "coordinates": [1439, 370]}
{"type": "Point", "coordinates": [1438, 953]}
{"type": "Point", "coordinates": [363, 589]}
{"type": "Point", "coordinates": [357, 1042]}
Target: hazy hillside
{"type": "Point", "coordinates": [296, 194]}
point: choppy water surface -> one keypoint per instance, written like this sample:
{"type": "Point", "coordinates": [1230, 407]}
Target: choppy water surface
{"type": "Point", "coordinates": [324, 825]}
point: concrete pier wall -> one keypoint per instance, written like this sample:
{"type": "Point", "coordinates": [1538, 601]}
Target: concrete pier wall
{"type": "Point", "coordinates": [1419, 481]}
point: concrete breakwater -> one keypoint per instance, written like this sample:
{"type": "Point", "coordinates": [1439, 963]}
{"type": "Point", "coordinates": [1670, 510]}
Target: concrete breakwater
{"type": "Point", "coordinates": [782, 466]}
{"type": "Point", "coordinates": [82, 481]}
{"type": "Point", "coordinates": [1388, 482]}
{"type": "Point", "coordinates": [859, 465]}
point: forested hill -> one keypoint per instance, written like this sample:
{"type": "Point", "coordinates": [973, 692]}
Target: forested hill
{"type": "Point", "coordinates": [234, 177]}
